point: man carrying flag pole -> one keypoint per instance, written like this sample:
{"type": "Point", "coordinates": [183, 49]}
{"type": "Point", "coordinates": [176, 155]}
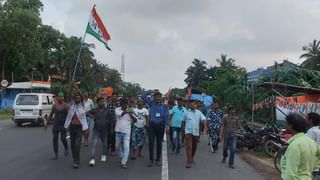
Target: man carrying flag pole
{"type": "Point", "coordinates": [96, 28]}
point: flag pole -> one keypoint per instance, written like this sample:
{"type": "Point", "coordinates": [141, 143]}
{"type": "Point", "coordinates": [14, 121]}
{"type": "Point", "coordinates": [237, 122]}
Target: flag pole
{"type": "Point", "coordinates": [75, 67]}
{"type": "Point", "coordinates": [82, 42]}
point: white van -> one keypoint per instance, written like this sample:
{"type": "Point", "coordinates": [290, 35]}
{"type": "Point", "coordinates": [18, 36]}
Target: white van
{"type": "Point", "coordinates": [32, 107]}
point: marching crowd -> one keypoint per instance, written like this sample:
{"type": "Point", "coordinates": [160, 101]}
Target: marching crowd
{"type": "Point", "coordinates": [123, 124]}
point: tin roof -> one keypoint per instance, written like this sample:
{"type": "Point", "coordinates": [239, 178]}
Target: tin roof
{"type": "Point", "coordinates": [20, 85]}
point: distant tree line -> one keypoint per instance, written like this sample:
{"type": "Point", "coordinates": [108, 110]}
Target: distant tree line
{"type": "Point", "coordinates": [227, 82]}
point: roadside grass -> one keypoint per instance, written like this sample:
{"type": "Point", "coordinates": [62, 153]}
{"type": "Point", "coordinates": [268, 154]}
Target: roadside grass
{"type": "Point", "coordinates": [5, 114]}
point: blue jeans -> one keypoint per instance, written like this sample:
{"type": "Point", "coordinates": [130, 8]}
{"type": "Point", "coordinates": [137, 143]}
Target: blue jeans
{"type": "Point", "coordinates": [123, 145]}
{"type": "Point", "coordinates": [95, 137]}
{"type": "Point", "coordinates": [176, 139]}
{"type": "Point", "coordinates": [229, 142]}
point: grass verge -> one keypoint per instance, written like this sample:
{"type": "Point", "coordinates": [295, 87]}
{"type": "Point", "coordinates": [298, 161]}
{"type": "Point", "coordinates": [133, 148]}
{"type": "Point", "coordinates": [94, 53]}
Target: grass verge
{"type": "Point", "coordinates": [5, 114]}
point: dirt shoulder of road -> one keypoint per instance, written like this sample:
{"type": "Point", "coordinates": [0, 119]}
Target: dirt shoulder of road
{"type": "Point", "coordinates": [263, 165]}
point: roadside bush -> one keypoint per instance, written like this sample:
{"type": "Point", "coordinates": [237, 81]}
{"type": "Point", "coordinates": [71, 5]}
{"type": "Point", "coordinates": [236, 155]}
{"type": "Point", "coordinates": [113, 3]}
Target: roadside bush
{"type": "Point", "coordinates": [6, 111]}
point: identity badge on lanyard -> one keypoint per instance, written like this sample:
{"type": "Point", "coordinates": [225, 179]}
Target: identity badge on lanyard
{"type": "Point", "coordinates": [158, 115]}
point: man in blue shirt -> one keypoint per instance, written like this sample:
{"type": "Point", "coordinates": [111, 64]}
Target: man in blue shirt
{"type": "Point", "coordinates": [191, 122]}
{"type": "Point", "coordinates": [159, 121]}
{"type": "Point", "coordinates": [176, 116]}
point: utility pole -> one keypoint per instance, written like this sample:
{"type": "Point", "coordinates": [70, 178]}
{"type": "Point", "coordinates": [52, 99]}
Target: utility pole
{"type": "Point", "coordinates": [274, 80]}
{"type": "Point", "coordinates": [252, 91]}
{"type": "Point", "coordinates": [3, 73]}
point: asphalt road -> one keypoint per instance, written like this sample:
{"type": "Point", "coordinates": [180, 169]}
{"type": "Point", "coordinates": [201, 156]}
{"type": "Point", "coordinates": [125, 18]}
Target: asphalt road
{"type": "Point", "coordinates": [25, 153]}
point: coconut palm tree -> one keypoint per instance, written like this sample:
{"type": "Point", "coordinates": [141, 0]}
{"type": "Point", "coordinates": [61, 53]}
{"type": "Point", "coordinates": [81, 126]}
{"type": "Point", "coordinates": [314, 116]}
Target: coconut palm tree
{"type": "Point", "coordinates": [224, 62]}
{"type": "Point", "coordinates": [312, 50]}
{"type": "Point", "coordinates": [312, 56]}
{"type": "Point", "coordinates": [196, 73]}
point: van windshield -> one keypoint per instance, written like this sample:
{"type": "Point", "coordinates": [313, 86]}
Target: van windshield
{"type": "Point", "coordinates": [28, 100]}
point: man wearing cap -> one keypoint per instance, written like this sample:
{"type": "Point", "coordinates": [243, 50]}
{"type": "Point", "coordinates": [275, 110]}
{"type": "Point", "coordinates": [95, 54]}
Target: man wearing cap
{"type": "Point", "coordinates": [60, 111]}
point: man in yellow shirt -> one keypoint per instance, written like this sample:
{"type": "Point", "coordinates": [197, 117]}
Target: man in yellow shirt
{"type": "Point", "coordinates": [300, 158]}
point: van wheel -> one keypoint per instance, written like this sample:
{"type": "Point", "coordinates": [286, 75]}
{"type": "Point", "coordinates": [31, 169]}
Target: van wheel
{"type": "Point", "coordinates": [19, 124]}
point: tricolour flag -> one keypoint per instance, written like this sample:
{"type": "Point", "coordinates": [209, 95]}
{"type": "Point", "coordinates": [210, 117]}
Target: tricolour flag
{"type": "Point", "coordinates": [41, 84]}
{"type": "Point", "coordinates": [97, 29]}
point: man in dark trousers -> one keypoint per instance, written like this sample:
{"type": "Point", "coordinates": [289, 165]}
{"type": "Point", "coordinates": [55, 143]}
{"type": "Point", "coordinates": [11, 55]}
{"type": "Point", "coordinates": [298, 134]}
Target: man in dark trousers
{"type": "Point", "coordinates": [60, 111]}
{"type": "Point", "coordinates": [111, 106]}
{"type": "Point", "coordinates": [159, 122]}
{"type": "Point", "coordinates": [76, 121]}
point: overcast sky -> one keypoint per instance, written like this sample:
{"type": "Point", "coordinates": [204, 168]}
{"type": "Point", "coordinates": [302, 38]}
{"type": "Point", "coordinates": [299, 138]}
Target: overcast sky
{"type": "Point", "coordinates": [160, 38]}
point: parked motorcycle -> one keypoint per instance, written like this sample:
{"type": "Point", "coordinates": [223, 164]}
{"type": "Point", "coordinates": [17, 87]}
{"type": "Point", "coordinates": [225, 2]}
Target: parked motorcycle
{"type": "Point", "coordinates": [274, 143]}
{"type": "Point", "coordinates": [245, 138]}
{"type": "Point", "coordinates": [255, 138]}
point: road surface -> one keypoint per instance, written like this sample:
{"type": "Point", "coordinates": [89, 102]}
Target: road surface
{"type": "Point", "coordinates": [25, 153]}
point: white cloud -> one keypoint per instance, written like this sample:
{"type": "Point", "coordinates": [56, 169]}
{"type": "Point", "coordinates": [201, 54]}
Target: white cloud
{"type": "Point", "coordinates": [160, 38]}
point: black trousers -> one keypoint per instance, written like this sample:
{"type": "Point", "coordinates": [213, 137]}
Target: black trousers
{"type": "Point", "coordinates": [55, 139]}
{"type": "Point", "coordinates": [112, 138]}
{"type": "Point", "coordinates": [171, 136]}
{"type": "Point", "coordinates": [75, 141]}
{"type": "Point", "coordinates": [155, 133]}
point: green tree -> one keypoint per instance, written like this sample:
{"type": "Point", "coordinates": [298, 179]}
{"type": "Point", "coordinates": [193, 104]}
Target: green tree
{"type": "Point", "coordinates": [311, 50]}
{"type": "Point", "coordinates": [311, 55]}
{"type": "Point", "coordinates": [54, 45]}
{"type": "Point", "coordinates": [300, 77]}
{"type": "Point", "coordinates": [196, 73]}
{"type": "Point", "coordinates": [227, 63]}
{"type": "Point", "coordinates": [131, 89]}
{"type": "Point", "coordinates": [20, 50]}
{"type": "Point", "coordinates": [226, 83]}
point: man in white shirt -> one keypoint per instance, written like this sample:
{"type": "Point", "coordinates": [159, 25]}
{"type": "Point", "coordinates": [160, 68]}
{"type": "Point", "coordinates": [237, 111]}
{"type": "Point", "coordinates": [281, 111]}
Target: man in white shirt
{"type": "Point", "coordinates": [139, 130]}
{"type": "Point", "coordinates": [88, 105]}
{"type": "Point", "coordinates": [77, 123]}
{"type": "Point", "coordinates": [124, 119]}
{"type": "Point", "coordinates": [313, 132]}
